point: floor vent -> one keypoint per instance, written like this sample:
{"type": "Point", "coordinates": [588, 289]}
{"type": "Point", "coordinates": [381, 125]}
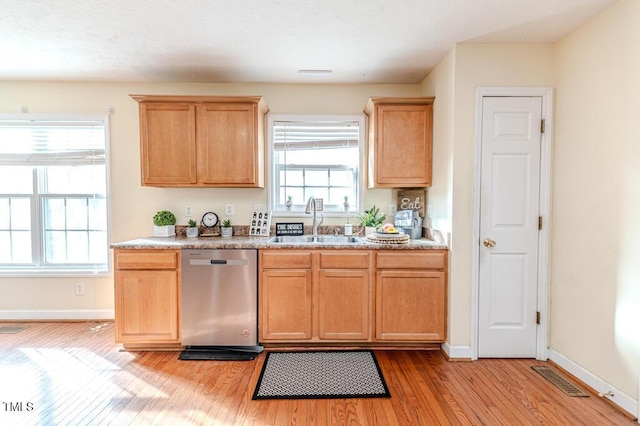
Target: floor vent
{"type": "Point", "coordinates": [559, 381]}
{"type": "Point", "coordinates": [12, 329]}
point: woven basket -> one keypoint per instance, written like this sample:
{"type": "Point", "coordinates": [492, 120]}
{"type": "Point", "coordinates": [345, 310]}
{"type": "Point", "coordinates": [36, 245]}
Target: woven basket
{"type": "Point", "coordinates": [388, 238]}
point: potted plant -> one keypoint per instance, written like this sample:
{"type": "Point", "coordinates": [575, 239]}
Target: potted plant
{"type": "Point", "coordinates": [346, 203]}
{"type": "Point", "coordinates": [192, 229]}
{"type": "Point", "coordinates": [164, 224]}
{"type": "Point", "coordinates": [226, 229]}
{"type": "Point", "coordinates": [371, 219]}
{"type": "Point", "coordinates": [289, 203]}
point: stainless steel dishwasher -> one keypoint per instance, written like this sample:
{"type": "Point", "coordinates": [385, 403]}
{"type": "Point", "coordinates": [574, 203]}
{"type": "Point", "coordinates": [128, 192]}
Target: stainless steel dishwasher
{"type": "Point", "coordinates": [220, 304]}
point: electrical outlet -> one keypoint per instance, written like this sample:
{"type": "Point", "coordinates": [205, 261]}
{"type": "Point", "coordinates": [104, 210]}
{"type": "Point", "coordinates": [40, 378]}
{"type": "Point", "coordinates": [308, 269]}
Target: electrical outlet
{"type": "Point", "coordinates": [393, 209]}
{"type": "Point", "coordinates": [79, 289]}
{"type": "Point", "coordinates": [229, 210]}
{"type": "Point", "coordinates": [188, 211]}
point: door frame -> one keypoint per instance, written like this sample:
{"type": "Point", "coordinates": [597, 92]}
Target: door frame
{"type": "Point", "coordinates": [546, 93]}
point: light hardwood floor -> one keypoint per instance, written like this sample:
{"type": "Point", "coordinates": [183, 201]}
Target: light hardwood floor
{"type": "Point", "coordinates": [74, 374]}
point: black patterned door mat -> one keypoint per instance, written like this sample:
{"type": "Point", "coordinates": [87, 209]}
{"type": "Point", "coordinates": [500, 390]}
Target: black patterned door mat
{"type": "Point", "coordinates": [12, 329]}
{"type": "Point", "coordinates": [321, 374]}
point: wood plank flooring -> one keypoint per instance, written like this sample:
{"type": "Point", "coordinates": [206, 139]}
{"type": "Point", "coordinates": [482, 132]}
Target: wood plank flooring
{"type": "Point", "coordinates": [74, 374]}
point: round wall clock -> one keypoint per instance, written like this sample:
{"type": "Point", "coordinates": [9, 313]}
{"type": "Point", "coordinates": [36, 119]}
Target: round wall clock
{"type": "Point", "coordinates": [210, 225]}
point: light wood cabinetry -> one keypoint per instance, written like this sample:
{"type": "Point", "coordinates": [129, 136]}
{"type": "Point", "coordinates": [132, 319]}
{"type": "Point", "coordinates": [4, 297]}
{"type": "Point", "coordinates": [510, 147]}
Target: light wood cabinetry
{"type": "Point", "coordinates": [202, 141]}
{"type": "Point", "coordinates": [314, 296]}
{"type": "Point", "coordinates": [411, 296]}
{"type": "Point", "coordinates": [400, 142]}
{"type": "Point", "coordinates": [147, 298]}
{"type": "Point", "coordinates": [344, 295]}
{"type": "Point", "coordinates": [284, 295]}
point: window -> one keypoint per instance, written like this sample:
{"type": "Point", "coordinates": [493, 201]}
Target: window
{"type": "Point", "coordinates": [315, 156]}
{"type": "Point", "coordinates": [53, 195]}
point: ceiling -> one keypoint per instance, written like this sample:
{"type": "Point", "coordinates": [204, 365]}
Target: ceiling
{"type": "Point", "coordinates": [361, 41]}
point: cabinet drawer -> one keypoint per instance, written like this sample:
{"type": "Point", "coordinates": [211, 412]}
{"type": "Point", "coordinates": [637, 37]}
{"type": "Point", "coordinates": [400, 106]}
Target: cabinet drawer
{"type": "Point", "coordinates": [281, 259]}
{"type": "Point", "coordinates": [147, 259]}
{"type": "Point", "coordinates": [344, 260]}
{"type": "Point", "coordinates": [411, 260]}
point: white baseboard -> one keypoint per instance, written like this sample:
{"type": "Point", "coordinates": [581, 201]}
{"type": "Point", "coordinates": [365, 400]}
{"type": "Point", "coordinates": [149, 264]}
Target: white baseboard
{"type": "Point", "coordinates": [80, 314]}
{"type": "Point", "coordinates": [622, 400]}
{"type": "Point", "coordinates": [456, 352]}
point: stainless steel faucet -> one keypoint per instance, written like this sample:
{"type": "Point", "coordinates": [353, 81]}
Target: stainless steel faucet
{"type": "Point", "coordinates": [311, 204]}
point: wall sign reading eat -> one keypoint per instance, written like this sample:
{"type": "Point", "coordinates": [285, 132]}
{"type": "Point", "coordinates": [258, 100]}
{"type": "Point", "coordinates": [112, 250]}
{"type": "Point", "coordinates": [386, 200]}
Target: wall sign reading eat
{"type": "Point", "coordinates": [413, 199]}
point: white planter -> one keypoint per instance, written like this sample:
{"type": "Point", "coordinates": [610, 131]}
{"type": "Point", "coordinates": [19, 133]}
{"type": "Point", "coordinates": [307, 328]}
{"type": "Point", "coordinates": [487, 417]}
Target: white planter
{"type": "Point", "coordinates": [192, 232]}
{"type": "Point", "coordinates": [226, 231]}
{"type": "Point", "coordinates": [164, 231]}
{"type": "Point", "coordinates": [369, 230]}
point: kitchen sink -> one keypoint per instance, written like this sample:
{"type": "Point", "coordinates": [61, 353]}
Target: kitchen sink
{"type": "Point", "coordinates": [305, 239]}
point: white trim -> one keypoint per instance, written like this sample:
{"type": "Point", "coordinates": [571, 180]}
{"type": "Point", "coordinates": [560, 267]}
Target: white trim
{"type": "Point", "coordinates": [456, 352]}
{"type": "Point", "coordinates": [45, 315]}
{"type": "Point", "coordinates": [360, 118]}
{"type": "Point", "coordinates": [546, 93]}
{"type": "Point", "coordinates": [104, 119]}
{"type": "Point", "coordinates": [619, 398]}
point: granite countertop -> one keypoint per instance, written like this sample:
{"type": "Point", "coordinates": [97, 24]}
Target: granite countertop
{"type": "Point", "coordinates": [433, 242]}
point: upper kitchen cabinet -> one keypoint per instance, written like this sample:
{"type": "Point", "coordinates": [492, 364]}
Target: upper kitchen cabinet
{"type": "Point", "coordinates": [202, 141]}
{"type": "Point", "coordinates": [400, 142]}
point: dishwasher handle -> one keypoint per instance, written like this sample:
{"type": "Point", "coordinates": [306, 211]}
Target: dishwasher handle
{"type": "Point", "coordinates": [207, 262]}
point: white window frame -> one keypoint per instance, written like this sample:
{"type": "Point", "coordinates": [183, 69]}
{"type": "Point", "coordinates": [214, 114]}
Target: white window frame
{"type": "Point", "coordinates": [271, 197]}
{"type": "Point", "coordinates": [37, 218]}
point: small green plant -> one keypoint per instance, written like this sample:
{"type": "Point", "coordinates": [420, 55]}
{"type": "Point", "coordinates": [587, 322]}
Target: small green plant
{"type": "Point", "coordinates": [226, 223]}
{"type": "Point", "coordinates": [164, 218]}
{"type": "Point", "coordinates": [192, 223]}
{"type": "Point", "coordinates": [372, 217]}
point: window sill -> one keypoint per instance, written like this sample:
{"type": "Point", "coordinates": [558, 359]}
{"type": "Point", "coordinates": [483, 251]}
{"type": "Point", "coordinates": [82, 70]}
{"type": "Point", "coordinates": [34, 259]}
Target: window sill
{"type": "Point", "coordinates": [302, 214]}
{"type": "Point", "coordinates": [41, 273]}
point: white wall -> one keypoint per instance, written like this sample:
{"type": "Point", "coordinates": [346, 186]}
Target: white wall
{"type": "Point", "coordinates": [595, 270]}
{"type": "Point", "coordinates": [441, 83]}
{"type": "Point", "coordinates": [133, 206]}
{"type": "Point", "coordinates": [472, 66]}
{"type": "Point", "coordinates": [595, 267]}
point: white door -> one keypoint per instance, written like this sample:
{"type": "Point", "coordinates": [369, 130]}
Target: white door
{"type": "Point", "coordinates": [509, 209]}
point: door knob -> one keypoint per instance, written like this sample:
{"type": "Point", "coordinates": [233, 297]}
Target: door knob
{"type": "Point", "coordinates": [488, 242]}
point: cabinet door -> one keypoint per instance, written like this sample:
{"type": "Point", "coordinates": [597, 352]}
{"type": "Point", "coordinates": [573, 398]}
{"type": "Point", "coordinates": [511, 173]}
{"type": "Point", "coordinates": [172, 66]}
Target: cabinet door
{"type": "Point", "coordinates": [410, 305]}
{"type": "Point", "coordinates": [343, 305]}
{"type": "Point", "coordinates": [230, 152]}
{"type": "Point", "coordinates": [401, 155]}
{"type": "Point", "coordinates": [285, 305]}
{"type": "Point", "coordinates": [168, 144]}
{"type": "Point", "coordinates": [146, 307]}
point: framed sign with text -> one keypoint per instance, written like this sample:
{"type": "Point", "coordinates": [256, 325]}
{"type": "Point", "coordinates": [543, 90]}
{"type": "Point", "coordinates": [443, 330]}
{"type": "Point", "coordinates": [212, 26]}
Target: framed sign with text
{"type": "Point", "coordinates": [413, 199]}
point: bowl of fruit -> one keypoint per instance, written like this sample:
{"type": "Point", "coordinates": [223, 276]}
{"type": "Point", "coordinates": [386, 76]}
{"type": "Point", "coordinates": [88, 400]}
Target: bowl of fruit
{"type": "Point", "coordinates": [388, 228]}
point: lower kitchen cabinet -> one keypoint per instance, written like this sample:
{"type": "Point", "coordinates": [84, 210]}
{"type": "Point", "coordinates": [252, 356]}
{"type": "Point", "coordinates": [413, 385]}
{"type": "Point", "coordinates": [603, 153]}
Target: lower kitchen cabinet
{"type": "Point", "coordinates": [314, 296]}
{"type": "Point", "coordinates": [147, 298]}
{"type": "Point", "coordinates": [343, 304]}
{"type": "Point", "coordinates": [411, 296]}
{"type": "Point", "coordinates": [344, 295]}
{"type": "Point", "coordinates": [285, 304]}
{"type": "Point", "coordinates": [284, 295]}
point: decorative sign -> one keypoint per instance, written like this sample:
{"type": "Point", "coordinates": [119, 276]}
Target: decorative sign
{"type": "Point", "coordinates": [260, 223]}
{"type": "Point", "coordinates": [413, 199]}
{"type": "Point", "coordinates": [296, 228]}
